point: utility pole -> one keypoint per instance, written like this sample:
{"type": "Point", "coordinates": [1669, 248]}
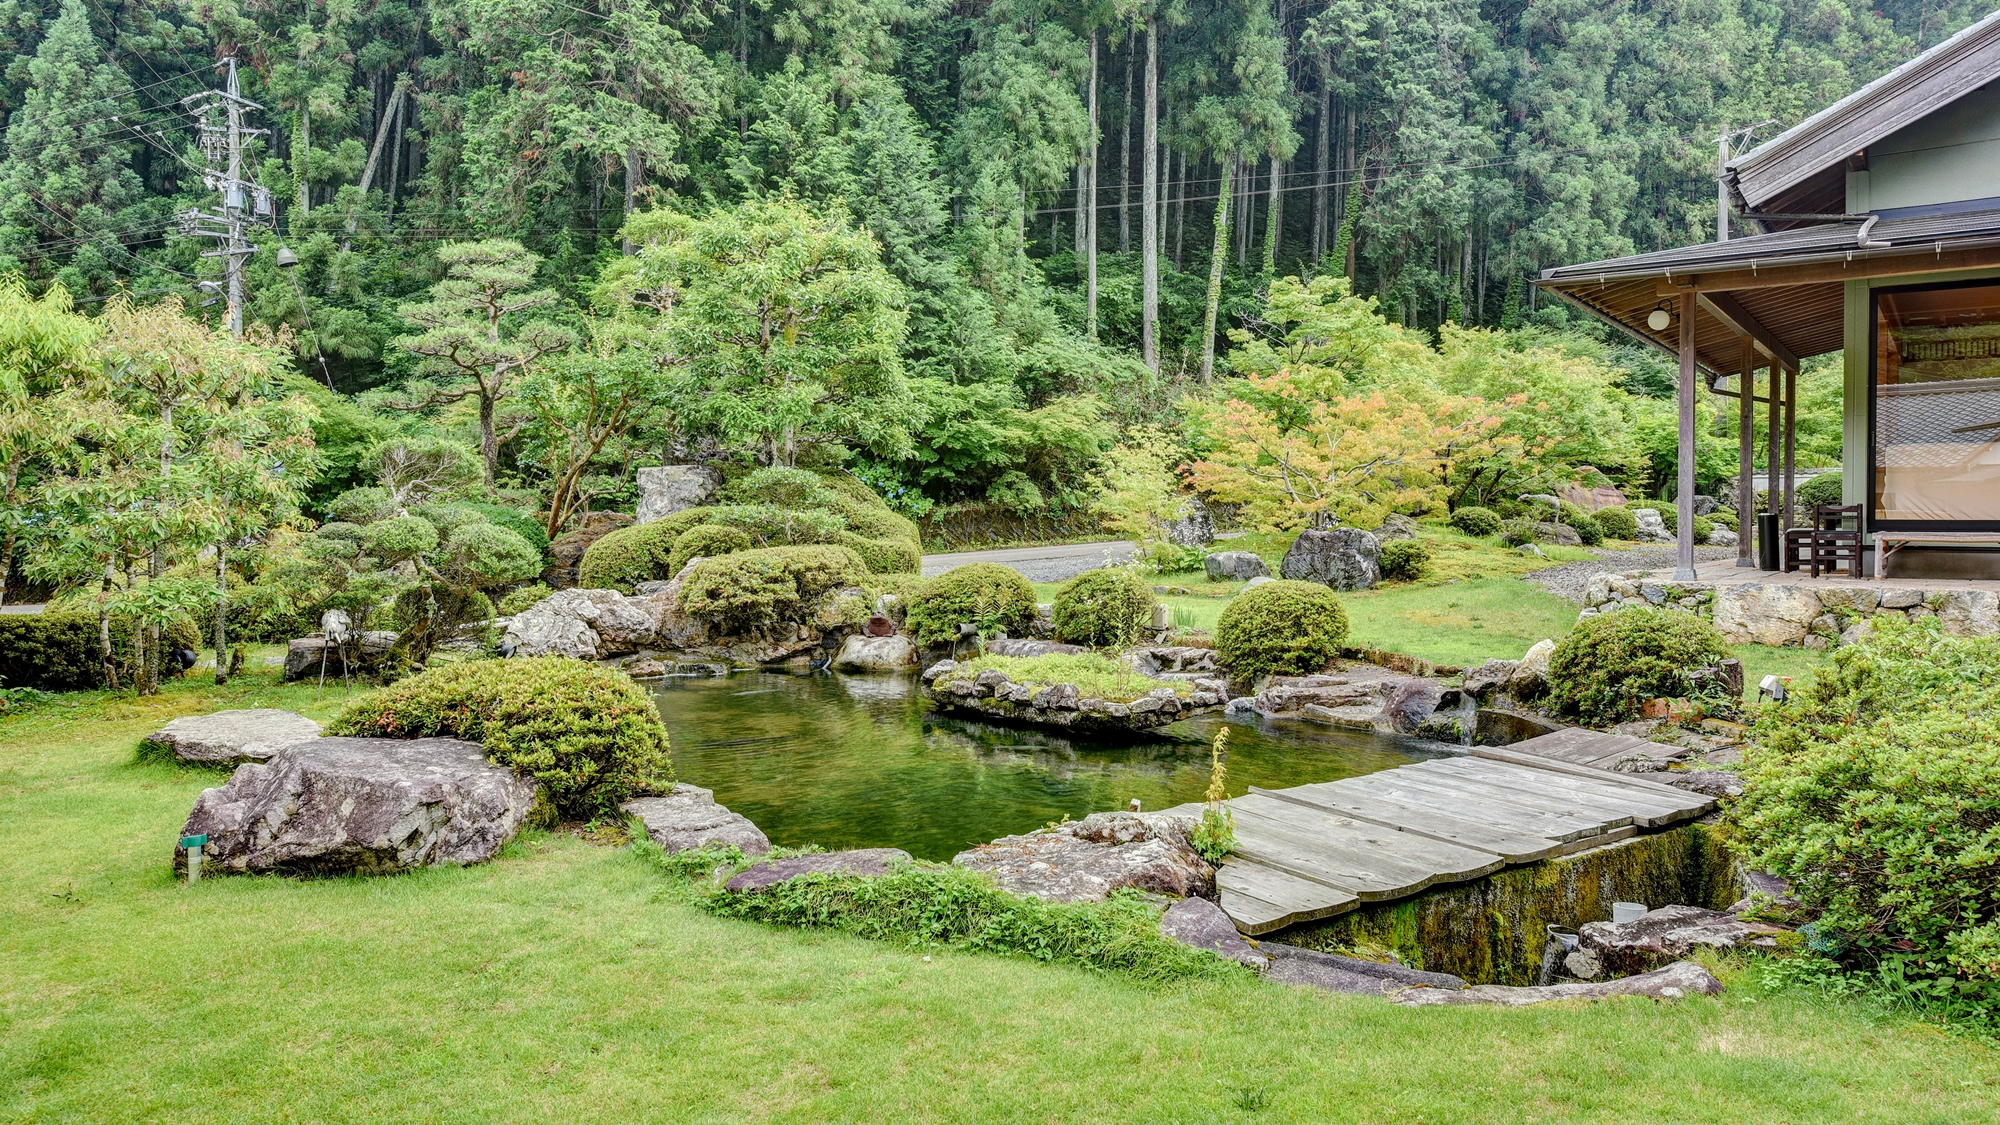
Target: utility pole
{"type": "Point", "coordinates": [244, 204]}
{"type": "Point", "coordinates": [1722, 186]}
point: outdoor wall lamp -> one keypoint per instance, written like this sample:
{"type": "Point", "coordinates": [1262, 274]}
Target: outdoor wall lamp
{"type": "Point", "coordinates": [1659, 318]}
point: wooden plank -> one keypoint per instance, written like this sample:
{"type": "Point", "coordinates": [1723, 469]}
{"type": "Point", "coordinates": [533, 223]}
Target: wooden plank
{"type": "Point", "coordinates": [1600, 791]}
{"type": "Point", "coordinates": [1260, 899]}
{"type": "Point", "coordinates": [1577, 746]}
{"type": "Point", "coordinates": [1456, 798]}
{"type": "Point", "coordinates": [1504, 754]}
{"type": "Point", "coordinates": [1502, 840]}
{"type": "Point", "coordinates": [1374, 864]}
{"type": "Point", "coordinates": [1646, 809]}
{"type": "Point", "coordinates": [1529, 792]}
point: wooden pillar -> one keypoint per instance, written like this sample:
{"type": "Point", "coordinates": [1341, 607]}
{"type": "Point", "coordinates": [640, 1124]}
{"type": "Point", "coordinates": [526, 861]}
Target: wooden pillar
{"type": "Point", "coordinates": [1746, 460]}
{"type": "Point", "coordinates": [1684, 499]}
{"type": "Point", "coordinates": [1774, 442]}
{"type": "Point", "coordinates": [1791, 436]}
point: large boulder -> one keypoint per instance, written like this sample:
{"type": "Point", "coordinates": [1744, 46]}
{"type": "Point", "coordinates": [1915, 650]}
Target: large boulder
{"type": "Point", "coordinates": [1680, 979]}
{"type": "Point", "coordinates": [1765, 614]}
{"type": "Point", "coordinates": [368, 805]}
{"type": "Point", "coordinates": [688, 818]}
{"type": "Point", "coordinates": [1970, 613]}
{"type": "Point", "coordinates": [1652, 526]}
{"type": "Point", "coordinates": [1195, 528]}
{"type": "Point", "coordinates": [1235, 566]}
{"type": "Point", "coordinates": [1086, 860]}
{"type": "Point", "coordinates": [866, 862]}
{"type": "Point", "coordinates": [1669, 934]}
{"type": "Point", "coordinates": [363, 653]}
{"type": "Point", "coordinates": [1530, 677]}
{"type": "Point", "coordinates": [1412, 703]}
{"type": "Point", "coordinates": [1489, 679]}
{"type": "Point", "coordinates": [1344, 558]}
{"type": "Point", "coordinates": [1022, 646]}
{"type": "Point", "coordinates": [228, 738]}
{"type": "Point", "coordinates": [566, 550]}
{"type": "Point", "coordinates": [666, 489]}
{"type": "Point", "coordinates": [859, 653]}
{"type": "Point", "coordinates": [586, 624]}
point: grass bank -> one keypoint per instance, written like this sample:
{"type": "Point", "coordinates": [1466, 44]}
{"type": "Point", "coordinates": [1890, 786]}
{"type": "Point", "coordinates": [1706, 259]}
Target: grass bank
{"type": "Point", "coordinates": [570, 981]}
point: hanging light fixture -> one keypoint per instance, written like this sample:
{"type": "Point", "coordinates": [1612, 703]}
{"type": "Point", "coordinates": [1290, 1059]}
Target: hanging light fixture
{"type": "Point", "coordinates": [1659, 318]}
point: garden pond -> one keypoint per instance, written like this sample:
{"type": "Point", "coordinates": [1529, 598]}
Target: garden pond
{"type": "Point", "coordinates": [859, 762]}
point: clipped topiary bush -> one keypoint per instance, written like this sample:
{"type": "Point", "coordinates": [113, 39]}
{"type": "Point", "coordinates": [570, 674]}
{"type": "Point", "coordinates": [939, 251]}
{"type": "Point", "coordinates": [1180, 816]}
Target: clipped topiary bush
{"type": "Point", "coordinates": [1616, 522]}
{"type": "Point", "coordinates": [1280, 628]}
{"type": "Point", "coordinates": [57, 650]}
{"type": "Point", "coordinates": [1724, 518]}
{"type": "Point", "coordinates": [1520, 532]}
{"type": "Point", "coordinates": [1103, 608]}
{"type": "Point", "coordinates": [990, 596]}
{"type": "Point", "coordinates": [1824, 488]}
{"type": "Point", "coordinates": [884, 556]}
{"type": "Point", "coordinates": [780, 487]}
{"type": "Point", "coordinates": [1704, 529]}
{"type": "Point", "coordinates": [873, 521]}
{"type": "Point", "coordinates": [706, 541]}
{"type": "Point", "coordinates": [1404, 559]}
{"type": "Point", "coordinates": [750, 588]}
{"type": "Point", "coordinates": [362, 505]}
{"type": "Point", "coordinates": [772, 526]}
{"type": "Point", "coordinates": [630, 555]}
{"type": "Point", "coordinates": [1587, 529]}
{"type": "Point", "coordinates": [525, 526]}
{"type": "Point", "coordinates": [399, 538]}
{"type": "Point", "coordinates": [587, 733]}
{"type": "Point", "coordinates": [1611, 664]}
{"type": "Point", "coordinates": [1873, 789]}
{"type": "Point", "coordinates": [1475, 520]}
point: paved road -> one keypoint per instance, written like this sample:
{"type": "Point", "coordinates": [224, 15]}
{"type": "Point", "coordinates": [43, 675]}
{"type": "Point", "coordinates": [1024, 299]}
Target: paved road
{"type": "Point", "coordinates": [1041, 564]}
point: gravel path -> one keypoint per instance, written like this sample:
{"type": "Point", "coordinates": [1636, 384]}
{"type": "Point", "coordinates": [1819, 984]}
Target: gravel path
{"type": "Point", "coordinates": [1057, 563]}
{"type": "Point", "coordinates": [1567, 580]}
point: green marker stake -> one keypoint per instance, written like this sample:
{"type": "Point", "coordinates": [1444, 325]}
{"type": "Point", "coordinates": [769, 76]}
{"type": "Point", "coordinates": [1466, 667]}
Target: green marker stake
{"type": "Point", "coordinates": [194, 844]}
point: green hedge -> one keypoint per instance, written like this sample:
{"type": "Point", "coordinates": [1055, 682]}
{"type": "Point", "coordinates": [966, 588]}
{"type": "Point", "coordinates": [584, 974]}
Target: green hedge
{"type": "Point", "coordinates": [1103, 608]}
{"type": "Point", "coordinates": [525, 526]}
{"type": "Point", "coordinates": [587, 733]}
{"type": "Point", "coordinates": [706, 541]}
{"type": "Point", "coordinates": [1609, 665]}
{"type": "Point", "coordinates": [55, 651]}
{"type": "Point", "coordinates": [1876, 790]}
{"type": "Point", "coordinates": [1280, 628]}
{"type": "Point", "coordinates": [630, 555]}
{"type": "Point", "coordinates": [750, 588]}
{"type": "Point", "coordinates": [1617, 522]}
{"type": "Point", "coordinates": [991, 597]}
{"type": "Point", "coordinates": [1475, 520]}
{"type": "Point", "coordinates": [885, 556]}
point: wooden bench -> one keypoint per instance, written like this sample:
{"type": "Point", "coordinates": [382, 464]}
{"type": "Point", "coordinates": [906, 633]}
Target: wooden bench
{"type": "Point", "coordinates": [1889, 542]}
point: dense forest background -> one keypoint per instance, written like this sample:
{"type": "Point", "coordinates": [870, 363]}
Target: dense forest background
{"type": "Point", "coordinates": [1436, 152]}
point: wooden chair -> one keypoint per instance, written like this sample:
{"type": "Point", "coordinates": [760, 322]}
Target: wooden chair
{"type": "Point", "coordinates": [1796, 548]}
{"type": "Point", "coordinates": [1832, 543]}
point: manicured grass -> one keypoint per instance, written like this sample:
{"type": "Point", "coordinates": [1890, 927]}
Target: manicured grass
{"type": "Point", "coordinates": [569, 981]}
{"type": "Point", "coordinates": [1464, 623]}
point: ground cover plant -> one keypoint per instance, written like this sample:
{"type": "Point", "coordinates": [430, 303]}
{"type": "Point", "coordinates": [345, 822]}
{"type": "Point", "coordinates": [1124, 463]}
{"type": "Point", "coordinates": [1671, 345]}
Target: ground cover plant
{"type": "Point", "coordinates": [588, 734]}
{"type": "Point", "coordinates": [1094, 674]}
{"type": "Point", "coordinates": [1875, 788]}
{"type": "Point", "coordinates": [569, 980]}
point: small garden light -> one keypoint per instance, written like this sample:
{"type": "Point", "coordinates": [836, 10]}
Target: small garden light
{"type": "Point", "coordinates": [194, 844]}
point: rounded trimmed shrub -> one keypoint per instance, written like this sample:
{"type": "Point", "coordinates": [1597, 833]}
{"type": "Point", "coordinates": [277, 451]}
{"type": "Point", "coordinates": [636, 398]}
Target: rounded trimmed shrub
{"type": "Point", "coordinates": [1404, 559]}
{"type": "Point", "coordinates": [1616, 522]}
{"type": "Point", "coordinates": [1475, 520]}
{"type": "Point", "coordinates": [991, 597]}
{"type": "Point", "coordinates": [1724, 518]}
{"type": "Point", "coordinates": [750, 588]}
{"type": "Point", "coordinates": [1609, 665]}
{"type": "Point", "coordinates": [336, 531]}
{"type": "Point", "coordinates": [1103, 608]}
{"type": "Point", "coordinates": [1280, 628]}
{"type": "Point", "coordinates": [885, 556]}
{"type": "Point", "coordinates": [523, 597]}
{"type": "Point", "coordinates": [630, 555]}
{"type": "Point", "coordinates": [1704, 529]}
{"type": "Point", "coordinates": [362, 505]}
{"type": "Point", "coordinates": [525, 526]}
{"type": "Point", "coordinates": [483, 554]}
{"type": "Point", "coordinates": [780, 487]}
{"type": "Point", "coordinates": [1520, 532]}
{"type": "Point", "coordinates": [873, 521]}
{"type": "Point", "coordinates": [706, 541]}
{"type": "Point", "coordinates": [398, 538]}
{"type": "Point", "coordinates": [1823, 488]}
{"type": "Point", "coordinates": [587, 733]}
{"type": "Point", "coordinates": [1587, 529]}
{"type": "Point", "coordinates": [772, 526]}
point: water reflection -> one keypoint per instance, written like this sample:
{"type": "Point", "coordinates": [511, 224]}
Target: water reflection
{"type": "Point", "coordinates": [857, 761]}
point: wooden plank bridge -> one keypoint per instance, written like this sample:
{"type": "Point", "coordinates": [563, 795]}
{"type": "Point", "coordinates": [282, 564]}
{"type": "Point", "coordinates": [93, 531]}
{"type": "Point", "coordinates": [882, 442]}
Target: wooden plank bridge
{"type": "Point", "coordinates": [1313, 851]}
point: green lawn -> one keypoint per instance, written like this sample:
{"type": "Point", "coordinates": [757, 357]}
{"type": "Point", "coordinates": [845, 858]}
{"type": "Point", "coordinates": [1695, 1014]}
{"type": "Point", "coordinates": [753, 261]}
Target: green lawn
{"type": "Point", "coordinates": [570, 982]}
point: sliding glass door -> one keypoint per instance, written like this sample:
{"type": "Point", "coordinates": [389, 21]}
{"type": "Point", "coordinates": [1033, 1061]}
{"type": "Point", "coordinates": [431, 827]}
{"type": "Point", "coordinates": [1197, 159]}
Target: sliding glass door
{"type": "Point", "coordinates": [1934, 410]}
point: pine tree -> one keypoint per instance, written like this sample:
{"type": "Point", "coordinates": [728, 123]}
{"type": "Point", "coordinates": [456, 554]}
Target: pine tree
{"type": "Point", "coordinates": [66, 186]}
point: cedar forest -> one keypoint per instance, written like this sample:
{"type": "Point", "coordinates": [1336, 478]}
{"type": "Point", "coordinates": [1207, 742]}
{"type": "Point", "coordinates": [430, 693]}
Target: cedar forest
{"type": "Point", "coordinates": [1045, 258]}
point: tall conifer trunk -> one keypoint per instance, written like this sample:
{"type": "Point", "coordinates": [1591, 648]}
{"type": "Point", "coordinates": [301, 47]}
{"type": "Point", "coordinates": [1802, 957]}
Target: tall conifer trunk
{"type": "Point", "coordinates": [1149, 214]}
{"type": "Point", "coordinates": [1125, 160]}
{"type": "Point", "coordinates": [1323, 156]}
{"type": "Point", "coordinates": [1090, 216]}
{"type": "Point", "coordinates": [1216, 258]}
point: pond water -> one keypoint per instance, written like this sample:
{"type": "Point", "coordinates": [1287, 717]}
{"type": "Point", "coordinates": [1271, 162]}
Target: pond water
{"type": "Point", "coordinates": [859, 762]}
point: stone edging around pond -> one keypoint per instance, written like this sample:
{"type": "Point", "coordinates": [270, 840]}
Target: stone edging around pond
{"type": "Point", "coordinates": [992, 695]}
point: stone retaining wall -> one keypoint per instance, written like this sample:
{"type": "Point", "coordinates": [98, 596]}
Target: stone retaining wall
{"type": "Point", "coordinates": [1782, 614]}
{"type": "Point", "coordinates": [991, 695]}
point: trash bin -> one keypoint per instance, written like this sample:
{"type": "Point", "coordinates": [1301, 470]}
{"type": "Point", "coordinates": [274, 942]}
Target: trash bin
{"type": "Point", "coordinates": [1768, 556]}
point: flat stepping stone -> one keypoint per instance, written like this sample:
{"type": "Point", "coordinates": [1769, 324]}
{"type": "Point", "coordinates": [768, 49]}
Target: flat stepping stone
{"type": "Point", "coordinates": [228, 738]}
{"type": "Point", "coordinates": [1291, 964]}
{"type": "Point", "coordinates": [360, 805]}
{"type": "Point", "coordinates": [1678, 980]}
{"type": "Point", "coordinates": [1202, 924]}
{"type": "Point", "coordinates": [688, 819]}
{"type": "Point", "coordinates": [862, 861]}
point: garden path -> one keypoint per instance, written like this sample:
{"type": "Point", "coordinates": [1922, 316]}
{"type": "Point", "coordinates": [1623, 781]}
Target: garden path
{"type": "Point", "coordinates": [1055, 563]}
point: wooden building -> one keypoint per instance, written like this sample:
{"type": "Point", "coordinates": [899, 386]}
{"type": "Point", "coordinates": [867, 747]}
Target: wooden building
{"type": "Point", "coordinates": [1877, 234]}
